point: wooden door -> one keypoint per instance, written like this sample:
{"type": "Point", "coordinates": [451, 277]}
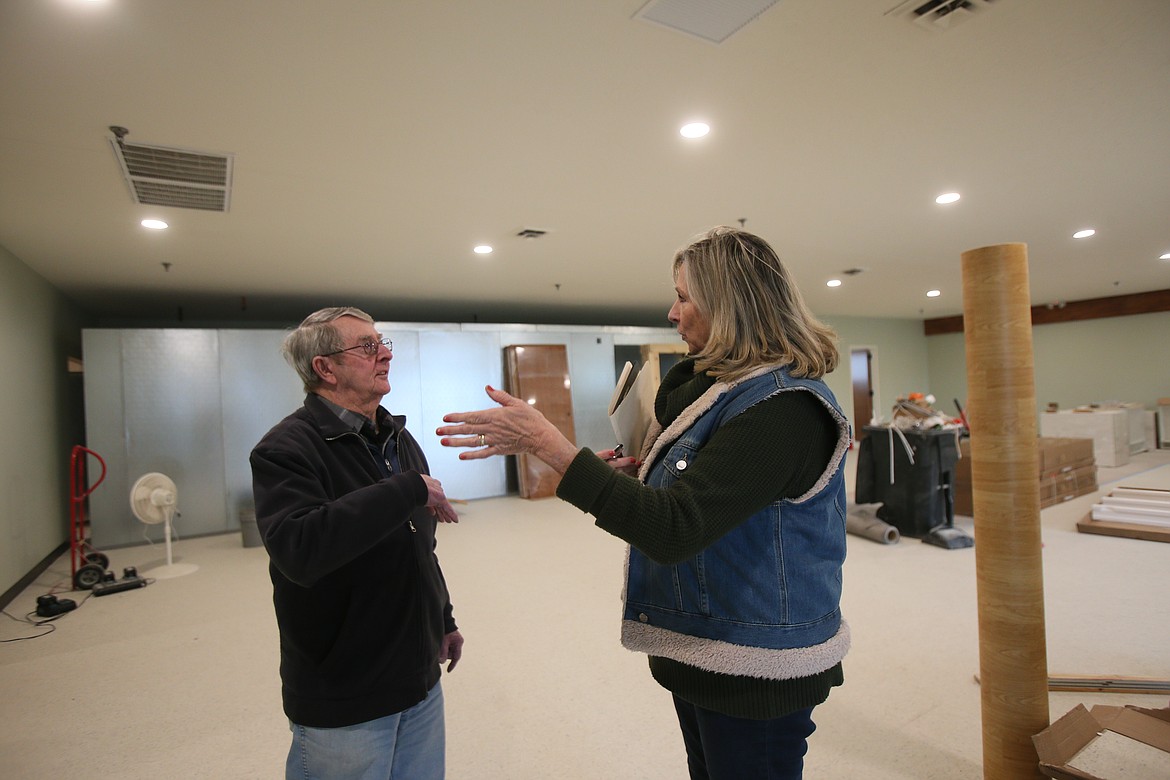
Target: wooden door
{"type": "Point", "coordinates": [539, 374]}
{"type": "Point", "coordinates": [861, 365]}
{"type": "Point", "coordinates": [659, 358]}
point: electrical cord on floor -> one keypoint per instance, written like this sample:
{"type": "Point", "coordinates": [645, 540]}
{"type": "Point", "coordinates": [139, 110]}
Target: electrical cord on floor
{"type": "Point", "coordinates": [41, 622]}
{"type": "Point", "coordinates": [37, 624]}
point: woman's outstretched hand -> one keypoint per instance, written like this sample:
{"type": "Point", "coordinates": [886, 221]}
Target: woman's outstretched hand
{"type": "Point", "coordinates": [512, 428]}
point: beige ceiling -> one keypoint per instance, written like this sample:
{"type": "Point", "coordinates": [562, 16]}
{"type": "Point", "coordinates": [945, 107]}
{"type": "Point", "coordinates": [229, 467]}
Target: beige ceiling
{"type": "Point", "coordinates": [376, 142]}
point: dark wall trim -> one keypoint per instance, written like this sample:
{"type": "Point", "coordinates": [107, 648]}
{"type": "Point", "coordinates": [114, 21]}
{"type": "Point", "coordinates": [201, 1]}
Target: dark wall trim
{"type": "Point", "coordinates": [1090, 309]}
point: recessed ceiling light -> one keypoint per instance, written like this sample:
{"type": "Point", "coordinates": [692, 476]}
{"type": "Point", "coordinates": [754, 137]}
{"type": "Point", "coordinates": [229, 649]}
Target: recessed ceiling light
{"type": "Point", "coordinates": [947, 197]}
{"type": "Point", "coordinates": [1165, 256]}
{"type": "Point", "coordinates": [482, 249]}
{"type": "Point", "coordinates": [833, 283]}
{"type": "Point", "coordinates": [154, 224]}
{"type": "Point", "coordinates": [933, 293]}
{"type": "Point", "coordinates": [695, 130]}
{"type": "Point", "coordinates": [1084, 233]}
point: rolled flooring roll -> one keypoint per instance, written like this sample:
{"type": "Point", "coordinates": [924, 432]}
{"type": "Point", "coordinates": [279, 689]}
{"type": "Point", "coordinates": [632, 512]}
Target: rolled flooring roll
{"type": "Point", "coordinates": [863, 521]}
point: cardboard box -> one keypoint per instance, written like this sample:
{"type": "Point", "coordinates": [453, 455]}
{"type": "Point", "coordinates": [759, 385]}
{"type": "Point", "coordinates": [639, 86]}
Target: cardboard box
{"type": "Point", "coordinates": [1108, 428]}
{"type": "Point", "coordinates": [1065, 467]}
{"type": "Point", "coordinates": [1054, 455]}
{"type": "Point", "coordinates": [1066, 485]}
{"type": "Point", "coordinates": [1106, 744]}
{"type": "Point", "coordinates": [1061, 454]}
{"type": "Point", "coordinates": [961, 480]}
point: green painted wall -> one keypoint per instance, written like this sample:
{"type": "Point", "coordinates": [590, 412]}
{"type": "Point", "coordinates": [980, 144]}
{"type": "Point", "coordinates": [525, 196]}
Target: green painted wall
{"type": "Point", "coordinates": [43, 417]}
{"type": "Point", "coordinates": [900, 360]}
{"type": "Point", "coordinates": [1089, 361]}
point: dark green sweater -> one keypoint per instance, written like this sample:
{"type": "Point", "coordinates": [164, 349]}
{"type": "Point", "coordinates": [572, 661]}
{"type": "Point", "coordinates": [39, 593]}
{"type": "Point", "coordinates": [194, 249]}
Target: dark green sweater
{"type": "Point", "coordinates": [777, 449]}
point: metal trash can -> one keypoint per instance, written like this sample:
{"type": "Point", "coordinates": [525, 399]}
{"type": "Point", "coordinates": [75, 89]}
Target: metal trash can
{"type": "Point", "coordinates": [249, 530]}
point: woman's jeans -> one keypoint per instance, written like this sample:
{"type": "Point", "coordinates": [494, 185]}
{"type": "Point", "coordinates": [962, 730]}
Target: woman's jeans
{"type": "Point", "coordinates": [410, 745]}
{"type": "Point", "coordinates": [720, 747]}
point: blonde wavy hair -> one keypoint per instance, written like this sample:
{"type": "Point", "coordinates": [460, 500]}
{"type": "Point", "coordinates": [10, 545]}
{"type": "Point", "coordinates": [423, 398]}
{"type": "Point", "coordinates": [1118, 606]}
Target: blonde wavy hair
{"type": "Point", "coordinates": [757, 315]}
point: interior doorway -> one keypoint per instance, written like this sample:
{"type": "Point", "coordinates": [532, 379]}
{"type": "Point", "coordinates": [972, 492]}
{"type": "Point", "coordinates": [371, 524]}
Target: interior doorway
{"type": "Point", "coordinates": [861, 369]}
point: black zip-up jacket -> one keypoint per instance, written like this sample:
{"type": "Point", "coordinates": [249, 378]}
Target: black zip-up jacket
{"type": "Point", "coordinates": [360, 599]}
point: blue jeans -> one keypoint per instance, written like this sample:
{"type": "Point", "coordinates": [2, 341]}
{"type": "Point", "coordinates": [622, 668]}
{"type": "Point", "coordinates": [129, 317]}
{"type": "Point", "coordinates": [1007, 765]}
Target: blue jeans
{"type": "Point", "coordinates": [410, 745]}
{"type": "Point", "coordinates": [720, 747]}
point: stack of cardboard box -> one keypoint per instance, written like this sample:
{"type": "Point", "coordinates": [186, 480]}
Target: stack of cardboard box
{"type": "Point", "coordinates": [1066, 470]}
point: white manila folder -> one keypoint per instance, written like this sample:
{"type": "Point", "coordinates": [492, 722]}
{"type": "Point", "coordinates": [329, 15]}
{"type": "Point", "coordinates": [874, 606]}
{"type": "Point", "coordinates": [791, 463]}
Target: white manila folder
{"type": "Point", "coordinates": [631, 408]}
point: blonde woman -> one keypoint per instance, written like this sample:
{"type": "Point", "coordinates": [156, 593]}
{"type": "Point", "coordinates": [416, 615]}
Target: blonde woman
{"type": "Point", "coordinates": [736, 518]}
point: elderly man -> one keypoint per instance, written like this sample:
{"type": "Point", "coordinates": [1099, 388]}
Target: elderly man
{"type": "Point", "coordinates": [348, 516]}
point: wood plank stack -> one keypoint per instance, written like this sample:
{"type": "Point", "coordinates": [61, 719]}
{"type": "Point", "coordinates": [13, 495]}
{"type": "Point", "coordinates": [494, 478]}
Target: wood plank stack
{"type": "Point", "coordinates": [1135, 513]}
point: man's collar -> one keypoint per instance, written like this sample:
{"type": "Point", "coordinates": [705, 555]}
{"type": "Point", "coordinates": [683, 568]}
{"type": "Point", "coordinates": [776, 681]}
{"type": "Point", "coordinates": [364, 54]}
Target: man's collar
{"type": "Point", "coordinates": [352, 419]}
{"type": "Point", "coordinates": [355, 421]}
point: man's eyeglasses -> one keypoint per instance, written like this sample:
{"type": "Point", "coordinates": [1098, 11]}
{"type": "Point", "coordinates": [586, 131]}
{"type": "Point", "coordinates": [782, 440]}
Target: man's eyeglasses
{"type": "Point", "coordinates": [368, 348]}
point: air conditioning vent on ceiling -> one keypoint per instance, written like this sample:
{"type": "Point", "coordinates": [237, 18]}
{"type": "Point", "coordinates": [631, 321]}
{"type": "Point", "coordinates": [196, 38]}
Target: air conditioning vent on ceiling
{"type": "Point", "coordinates": [711, 20]}
{"type": "Point", "coordinates": [939, 14]}
{"type": "Point", "coordinates": [169, 176]}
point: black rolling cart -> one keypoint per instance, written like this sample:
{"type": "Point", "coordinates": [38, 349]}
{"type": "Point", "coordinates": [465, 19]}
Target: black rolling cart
{"type": "Point", "coordinates": [918, 500]}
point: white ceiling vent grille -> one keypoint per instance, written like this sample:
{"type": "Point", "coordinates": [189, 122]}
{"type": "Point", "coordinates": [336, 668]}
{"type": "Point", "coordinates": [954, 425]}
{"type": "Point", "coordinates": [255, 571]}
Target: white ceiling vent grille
{"type": "Point", "coordinates": [169, 176]}
{"type": "Point", "coordinates": [939, 14]}
{"type": "Point", "coordinates": [711, 20]}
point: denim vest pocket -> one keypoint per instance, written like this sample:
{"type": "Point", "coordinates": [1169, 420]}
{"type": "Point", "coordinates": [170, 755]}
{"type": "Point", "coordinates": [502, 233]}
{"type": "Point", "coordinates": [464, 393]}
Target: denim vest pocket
{"type": "Point", "coordinates": [677, 460]}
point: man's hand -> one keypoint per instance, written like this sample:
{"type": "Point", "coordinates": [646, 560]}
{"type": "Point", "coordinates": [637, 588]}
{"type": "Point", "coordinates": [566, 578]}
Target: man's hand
{"type": "Point", "coordinates": [437, 501]}
{"type": "Point", "coordinates": [451, 649]}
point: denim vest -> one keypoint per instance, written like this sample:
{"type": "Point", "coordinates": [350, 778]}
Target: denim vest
{"type": "Point", "coordinates": [764, 599]}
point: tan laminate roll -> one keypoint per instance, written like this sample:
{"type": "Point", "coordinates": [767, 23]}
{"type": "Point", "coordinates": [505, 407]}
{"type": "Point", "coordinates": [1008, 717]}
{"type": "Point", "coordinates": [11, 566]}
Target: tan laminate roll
{"type": "Point", "coordinates": [1001, 409]}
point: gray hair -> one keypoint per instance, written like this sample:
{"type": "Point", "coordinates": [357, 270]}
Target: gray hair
{"type": "Point", "coordinates": [315, 336]}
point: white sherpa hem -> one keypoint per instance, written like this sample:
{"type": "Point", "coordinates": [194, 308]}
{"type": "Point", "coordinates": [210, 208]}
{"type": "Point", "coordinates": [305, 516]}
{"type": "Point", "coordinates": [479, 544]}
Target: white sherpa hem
{"type": "Point", "coordinates": [721, 657]}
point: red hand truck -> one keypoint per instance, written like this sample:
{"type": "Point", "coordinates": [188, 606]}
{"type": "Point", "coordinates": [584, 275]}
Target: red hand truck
{"type": "Point", "coordinates": [89, 565]}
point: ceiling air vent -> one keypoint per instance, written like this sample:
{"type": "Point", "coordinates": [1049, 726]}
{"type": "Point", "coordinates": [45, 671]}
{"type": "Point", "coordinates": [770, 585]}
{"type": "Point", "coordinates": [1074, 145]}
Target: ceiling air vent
{"type": "Point", "coordinates": [531, 233]}
{"type": "Point", "coordinates": [711, 20]}
{"type": "Point", "coordinates": [169, 176]}
{"type": "Point", "coordinates": [939, 14]}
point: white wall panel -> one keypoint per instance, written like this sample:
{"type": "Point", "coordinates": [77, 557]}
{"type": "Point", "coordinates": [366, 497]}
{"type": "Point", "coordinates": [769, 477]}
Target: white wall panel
{"type": "Point", "coordinates": [454, 367]}
{"type": "Point", "coordinates": [192, 403]}
{"type": "Point", "coordinates": [591, 371]}
{"type": "Point", "coordinates": [174, 424]}
{"type": "Point", "coordinates": [258, 389]}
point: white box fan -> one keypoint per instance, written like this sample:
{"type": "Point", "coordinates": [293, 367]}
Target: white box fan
{"type": "Point", "coordinates": [154, 500]}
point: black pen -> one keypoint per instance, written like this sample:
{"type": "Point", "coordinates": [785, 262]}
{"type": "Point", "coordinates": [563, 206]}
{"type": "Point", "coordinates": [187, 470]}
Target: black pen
{"type": "Point", "coordinates": [617, 453]}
